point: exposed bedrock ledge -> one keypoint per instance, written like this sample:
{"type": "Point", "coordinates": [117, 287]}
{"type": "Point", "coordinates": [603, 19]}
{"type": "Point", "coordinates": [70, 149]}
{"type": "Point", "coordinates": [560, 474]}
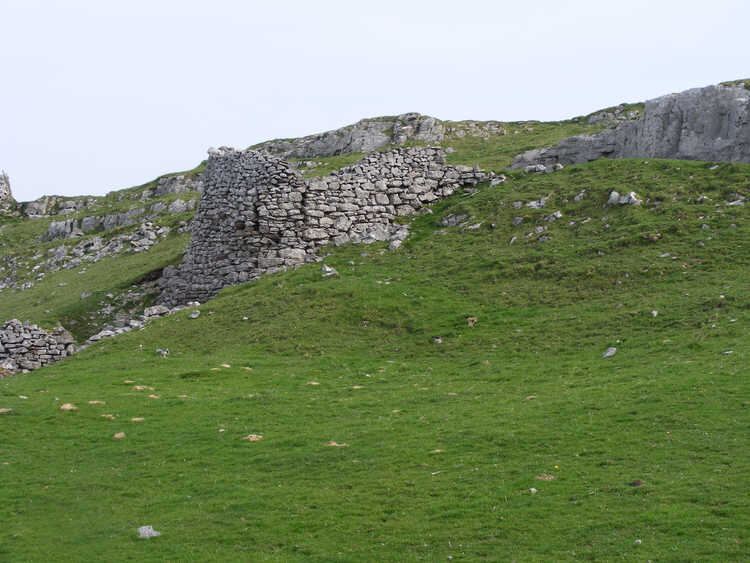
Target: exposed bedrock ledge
{"type": "Point", "coordinates": [711, 123]}
{"type": "Point", "coordinates": [257, 215]}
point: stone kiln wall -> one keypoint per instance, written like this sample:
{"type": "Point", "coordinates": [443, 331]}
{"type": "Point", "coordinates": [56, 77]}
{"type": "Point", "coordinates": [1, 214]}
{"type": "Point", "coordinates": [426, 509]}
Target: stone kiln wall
{"type": "Point", "coordinates": [257, 215]}
{"type": "Point", "coordinates": [6, 198]}
{"type": "Point", "coordinates": [25, 346]}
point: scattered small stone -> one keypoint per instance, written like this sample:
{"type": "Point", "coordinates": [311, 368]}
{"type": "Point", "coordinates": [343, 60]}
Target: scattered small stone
{"type": "Point", "coordinates": [195, 314]}
{"type": "Point", "coordinates": [137, 419]}
{"type": "Point", "coordinates": [253, 437]}
{"type": "Point", "coordinates": [654, 313]}
{"type": "Point", "coordinates": [5, 410]}
{"type": "Point", "coordinates": [472, 321]}
{"type": "Point", "coordinates": [68, 407]}
{"type": "Point", "coordinates": [312, 383]}
{"type": "Point", "coordinates": [532, 490]}
{"type": "Point", "coordinates": [109, 416]}
{"type": "Point", "coordinates": [226, 366]}
{"type": "Point", "coordinates": [97, 403]}
{"type": "Point", "coordinates": [152, 396]}
{"type": "Point", "coordinates": [636, 483]}
{"type": "Point", "coordinates": [142, 388]}
{"type": "Point", "coordinates": [333, 444]}
{"type": "Point", "coordinates": [630, 198]}
{"type": "Point", "coordinates": [609, 352]}
{"type": "Point", "coordinates": [637, 542]}
{"type": "Point", "coordinates": [147, 532]}
{"type": "Point", "coordinates": [545, 477]}
{"type": "Point", "coordinates": [328, 271]}
{"type": "Point", "coordinates": [118, 436]}
{"type": "Point", "coordinates": [437, 340]}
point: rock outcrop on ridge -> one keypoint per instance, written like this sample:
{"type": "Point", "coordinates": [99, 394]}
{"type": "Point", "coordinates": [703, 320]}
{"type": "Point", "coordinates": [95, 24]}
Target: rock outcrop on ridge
{"type": "Point", "coordinates": [364, 136]}
{"type": "Point", "coordinates": [711, 123]}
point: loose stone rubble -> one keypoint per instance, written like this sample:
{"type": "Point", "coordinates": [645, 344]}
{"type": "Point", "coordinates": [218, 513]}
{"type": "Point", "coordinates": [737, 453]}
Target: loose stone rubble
{"type": "Point", "coordinates": [257, 215]}
{"type": "Point", "coordinates": [25, 347]}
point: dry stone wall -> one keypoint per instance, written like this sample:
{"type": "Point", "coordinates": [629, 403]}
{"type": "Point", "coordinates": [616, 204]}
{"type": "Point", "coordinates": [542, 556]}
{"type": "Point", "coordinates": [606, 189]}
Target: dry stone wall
{"type": "Point", "coordinates": [25, 346]}
{"type": "Point", "coordinates": [257, 215]}
{"type": "Point", "coordinates": [6, 199]}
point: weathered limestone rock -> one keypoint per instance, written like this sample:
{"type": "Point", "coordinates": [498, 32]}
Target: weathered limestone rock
{"type": "Point", "coordinates": [7, 203]}
{"type": "Point", "coordinates": [365, 136]}
{"type": "Point", "coordinates": [257, 215]}
{"type": "Point", "coordinates": [711, 123]}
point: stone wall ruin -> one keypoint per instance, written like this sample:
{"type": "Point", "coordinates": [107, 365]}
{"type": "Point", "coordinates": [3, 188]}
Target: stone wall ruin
{"type": "Point", "coordinates": [25, 346]}
{"type": "Point", "coordinates": [257, 215]}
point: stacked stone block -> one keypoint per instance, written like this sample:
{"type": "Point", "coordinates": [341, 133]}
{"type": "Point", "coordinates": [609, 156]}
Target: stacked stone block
{"type": "Point", "coordinates": [25, 346]}
{"type": "Point", "coordinates": [257, 215]}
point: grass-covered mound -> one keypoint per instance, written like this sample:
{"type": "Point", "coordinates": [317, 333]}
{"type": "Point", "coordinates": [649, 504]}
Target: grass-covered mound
{"type": "Point", "coordinates": [443, 429]}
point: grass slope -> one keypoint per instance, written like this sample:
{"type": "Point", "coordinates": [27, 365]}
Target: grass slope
{"type": "Point", "coordinates": [443, 440]}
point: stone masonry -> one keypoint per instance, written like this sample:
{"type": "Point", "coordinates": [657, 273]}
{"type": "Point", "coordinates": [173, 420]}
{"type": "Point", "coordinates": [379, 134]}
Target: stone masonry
{"type": "Point", "coordinates": [711, 124]}
{"type": "Point", "coordinates": [257, 215]}
{"type": "Point", "coordinates": [6, 199]}
{"type": "Point", "coordinates": [25, 346]}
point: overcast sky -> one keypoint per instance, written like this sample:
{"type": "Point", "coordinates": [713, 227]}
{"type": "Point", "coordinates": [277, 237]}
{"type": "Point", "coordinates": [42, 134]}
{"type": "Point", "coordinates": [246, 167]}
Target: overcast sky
{"type": "Point", "coordinates": [101, 95]}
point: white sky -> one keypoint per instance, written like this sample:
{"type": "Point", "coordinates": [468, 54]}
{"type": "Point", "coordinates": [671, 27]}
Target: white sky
{"type": "Point", "coordinates": [101, 95]}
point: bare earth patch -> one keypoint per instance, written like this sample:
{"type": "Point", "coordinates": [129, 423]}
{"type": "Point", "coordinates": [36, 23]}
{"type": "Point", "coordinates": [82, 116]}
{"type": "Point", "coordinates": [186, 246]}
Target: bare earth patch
{"type": "Point", "coordinates": [5, 411]}
{"type": "Point", "coordinates": [545, 477]}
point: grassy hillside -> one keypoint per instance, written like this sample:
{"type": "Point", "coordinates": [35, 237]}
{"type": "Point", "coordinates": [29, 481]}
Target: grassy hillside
{"type": "Point", "coordinates": [443, 428]}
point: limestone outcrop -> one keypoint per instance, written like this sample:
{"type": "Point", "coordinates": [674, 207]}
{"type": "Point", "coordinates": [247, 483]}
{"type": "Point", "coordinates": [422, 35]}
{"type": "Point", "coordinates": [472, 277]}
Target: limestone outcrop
{"type": "Point", "coordinates": [711, 124]}
{"type": "Point", "coordinates": [25, 346]}
{"type": "Point", "coordinates": [365, 136]}
{"type": "Point", "coordinates": [7, 203]}
{"type": "Point", "coordinates": [257, 215]}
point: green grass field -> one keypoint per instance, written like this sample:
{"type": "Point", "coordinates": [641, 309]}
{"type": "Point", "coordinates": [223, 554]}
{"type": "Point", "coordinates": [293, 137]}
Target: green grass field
{"type": "Point", "coordinates": [443, 429]}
